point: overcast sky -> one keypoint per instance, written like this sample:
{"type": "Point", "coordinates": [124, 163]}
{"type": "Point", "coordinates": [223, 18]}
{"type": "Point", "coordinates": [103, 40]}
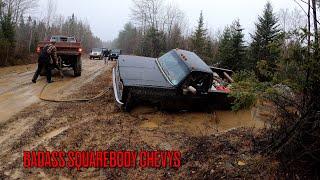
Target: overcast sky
{"type": "Point", "coordinates": [107, 17]}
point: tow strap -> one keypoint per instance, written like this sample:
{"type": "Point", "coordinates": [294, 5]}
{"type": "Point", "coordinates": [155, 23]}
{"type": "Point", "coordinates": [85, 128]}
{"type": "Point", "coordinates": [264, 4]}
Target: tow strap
{"type": "Point", "coordinates": [72, 100]}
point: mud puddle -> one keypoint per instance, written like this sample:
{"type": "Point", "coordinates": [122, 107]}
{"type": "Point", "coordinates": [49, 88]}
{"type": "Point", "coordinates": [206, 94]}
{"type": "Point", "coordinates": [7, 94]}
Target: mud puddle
{"type": "Point", "coordinates": [198, 123]}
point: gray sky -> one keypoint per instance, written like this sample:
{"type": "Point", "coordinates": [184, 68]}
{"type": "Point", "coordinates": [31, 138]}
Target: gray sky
{"type": "Point", "coordinates": [107, 17]}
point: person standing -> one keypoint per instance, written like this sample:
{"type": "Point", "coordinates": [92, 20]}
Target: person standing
{"type": "Point", "coordinates": [47, 59]}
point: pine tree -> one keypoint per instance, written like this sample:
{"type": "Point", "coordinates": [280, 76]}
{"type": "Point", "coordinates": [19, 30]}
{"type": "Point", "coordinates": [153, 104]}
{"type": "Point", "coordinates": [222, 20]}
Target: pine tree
{"type": "Point", "coordinates": [208, 57]}
{"type": "Point", "coordinates": [7, 41]}
{"type": "Point", "coordinates": [266, 40]}
{"type": "Point", "coordinates": [153, 44]}
{"type": "Point", "coordinates": [232, 51]}
{"type": "Point", "coordinates": [199, 37]}
{"type": "Point", "coordinates": [225, 57]}
{"type": "Point", "coordinates": [239, 50]}
{"type": "Point", "coordinates": [127, 39]}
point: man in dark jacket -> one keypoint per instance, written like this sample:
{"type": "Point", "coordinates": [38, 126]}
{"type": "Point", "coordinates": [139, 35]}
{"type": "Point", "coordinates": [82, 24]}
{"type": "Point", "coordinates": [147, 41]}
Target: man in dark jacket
{"type": "Point", "coordinates": [47, 59]}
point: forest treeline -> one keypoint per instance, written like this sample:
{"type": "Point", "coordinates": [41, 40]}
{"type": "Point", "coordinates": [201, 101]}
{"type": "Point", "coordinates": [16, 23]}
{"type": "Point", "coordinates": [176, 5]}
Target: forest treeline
{"type": "Point", "coordinates": [20, 31]}
{"type": "Point", "coordinates": [157, 27]}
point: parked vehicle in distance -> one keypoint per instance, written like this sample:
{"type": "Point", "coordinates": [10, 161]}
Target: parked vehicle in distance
{"type": "Point", "coordinates": [68, 50]}
{"type": "Point", "coordinates": [96, 53]}
{"type": "Point", "coordinates": [114, 54]}
{"type": "Point", "coordinates": [179, 78]}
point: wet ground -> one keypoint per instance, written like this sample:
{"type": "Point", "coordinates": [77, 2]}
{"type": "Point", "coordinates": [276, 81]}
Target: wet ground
{"type": "Point", "coordinates": [212, 144]}
{"type": "Point", "coordinates": [17, 91]}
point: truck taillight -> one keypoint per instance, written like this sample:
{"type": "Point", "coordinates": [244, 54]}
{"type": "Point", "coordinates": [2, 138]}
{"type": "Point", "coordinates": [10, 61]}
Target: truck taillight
{"type": "Point", "coordinates": [38, 50]}
{"type": "Point", "coordinates": [80, 49]}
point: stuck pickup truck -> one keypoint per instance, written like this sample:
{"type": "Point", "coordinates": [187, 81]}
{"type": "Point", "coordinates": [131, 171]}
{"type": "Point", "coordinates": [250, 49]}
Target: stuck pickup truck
{"type": "Point", "coordinates": [178, 79]}
{"type": "Point", "coordinates": [68, 50]}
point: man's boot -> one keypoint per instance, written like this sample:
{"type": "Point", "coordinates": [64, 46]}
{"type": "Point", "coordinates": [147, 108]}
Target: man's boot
{"type": "Point", "coordinates": [35, 77]}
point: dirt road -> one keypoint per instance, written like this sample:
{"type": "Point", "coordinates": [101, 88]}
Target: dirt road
{"type": "Point", "coordinates": [17, 91]}
{"type": "Point", "coordinates": [210, 146]}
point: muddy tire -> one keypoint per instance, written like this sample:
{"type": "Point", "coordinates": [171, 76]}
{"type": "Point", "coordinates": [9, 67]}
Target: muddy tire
{"type": "Point", "coordinates": [77, 67]}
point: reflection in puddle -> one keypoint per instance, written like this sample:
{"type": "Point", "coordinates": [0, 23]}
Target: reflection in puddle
{"type": "Point", "coordinates": [197, 123]}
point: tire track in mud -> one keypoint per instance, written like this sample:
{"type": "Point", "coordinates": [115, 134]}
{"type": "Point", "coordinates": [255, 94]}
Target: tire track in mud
{"type": "Point", "coordinates": [17, 92]}
{"type": "Point", "coordinates": [28, 129]}
{"type": "Point", "coordinates": [59, 120]}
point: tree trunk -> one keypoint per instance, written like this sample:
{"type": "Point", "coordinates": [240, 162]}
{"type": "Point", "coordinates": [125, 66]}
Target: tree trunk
{"type": "Point", "coordinates": [315, 22]}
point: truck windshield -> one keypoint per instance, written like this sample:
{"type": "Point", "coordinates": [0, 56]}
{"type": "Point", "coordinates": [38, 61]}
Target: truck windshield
{"type": "Point", "coordinates": [173, 67]}
{"type": "Point", "coordinates": [72, 39]}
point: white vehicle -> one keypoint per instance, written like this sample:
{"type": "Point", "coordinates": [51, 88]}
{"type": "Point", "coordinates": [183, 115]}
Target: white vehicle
{"type": "Point", "coordinates": [96, 53]}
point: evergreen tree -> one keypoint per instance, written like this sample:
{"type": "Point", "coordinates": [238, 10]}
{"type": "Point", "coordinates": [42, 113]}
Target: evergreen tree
{"type": "Point", "coordinates": [127, 39]}
{"type": "Point", "coordinates": [232, 51]}
{"type": "Point", "coordinates": [208, 57]}
{"type": "Point", "coordinates": [225, 57]}
{"type": "Point", "coordinates": [7, 39]}
{"type": "Point", "coordinates": [239, 50]}
{"type": "Point", "coordinates": [266, 40]}
{"type": "Point", "coordinates": [153, 43]}
{"type": "Point", "coordinates": [199, 37]}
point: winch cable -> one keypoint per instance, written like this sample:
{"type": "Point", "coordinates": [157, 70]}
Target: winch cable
{"type": "Point", "coordinates": [71, 100]}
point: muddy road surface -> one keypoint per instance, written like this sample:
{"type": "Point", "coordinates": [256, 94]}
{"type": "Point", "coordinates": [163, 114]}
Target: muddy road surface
{"type": "Point", "coordinates": [17, 91]}
{"type": "Point", "coordinates": [213, 144]}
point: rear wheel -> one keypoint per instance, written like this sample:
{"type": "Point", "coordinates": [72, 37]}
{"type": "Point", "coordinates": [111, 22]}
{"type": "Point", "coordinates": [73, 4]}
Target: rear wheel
{"type": "Point", "coordinates": [77, 68]}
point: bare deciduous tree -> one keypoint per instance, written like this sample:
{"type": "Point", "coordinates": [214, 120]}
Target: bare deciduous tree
{"type": "Point", "coordinates": [147, 13]}
{"type": "Point", "coordinates": [51, 10]}
{"type": "Point", "coordinates": [19, 7]}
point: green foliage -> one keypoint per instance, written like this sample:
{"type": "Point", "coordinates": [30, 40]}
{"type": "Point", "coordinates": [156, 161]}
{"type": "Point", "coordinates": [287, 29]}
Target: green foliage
{"type": "Point", "coordinates": [198, 39]}
{"type": "Point", "coordinates": [7, 27]}
{"type": "Point", "coordinates": [291, 69]}
{"type": "Point", "coordinates": [128, 39]}
{"type": "Point", "coordinates": [7, 36]}
{"type": "Point", "coordinates": [19, 39]}
{"type": "Point", "coordinates": [153, 43]}
{"type": "Point", "coordinates": [224, 56]}
{"type": "Point", "coordinates": [246, 90]}
{"type": "Point", "coordinates": [266, 40]}
{"type": "Point", "coordinates": [232, 53]}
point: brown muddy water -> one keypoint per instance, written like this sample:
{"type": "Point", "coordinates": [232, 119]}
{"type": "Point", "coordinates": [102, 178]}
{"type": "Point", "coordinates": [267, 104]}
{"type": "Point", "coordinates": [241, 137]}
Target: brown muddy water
{"type": "Point", "coordinates": [198, 123]}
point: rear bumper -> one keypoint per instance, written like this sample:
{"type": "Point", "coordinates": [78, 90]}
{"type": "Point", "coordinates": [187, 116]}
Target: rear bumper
{"type": "Point", "coordinates": [113, 56]}
{"type": "Point", "coordinates": [66, 53]}
{"type": "Point", "coordinates": [115, 89]}
{"type": "Point", "coordinates": [96, 56]}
